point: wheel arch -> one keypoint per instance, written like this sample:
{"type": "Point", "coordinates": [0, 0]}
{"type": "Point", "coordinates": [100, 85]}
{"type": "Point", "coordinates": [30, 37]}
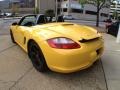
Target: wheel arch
{"type": "Point", "coordinates": [34, 41]}
{"type": "Point", "coordinates": [29, 41]}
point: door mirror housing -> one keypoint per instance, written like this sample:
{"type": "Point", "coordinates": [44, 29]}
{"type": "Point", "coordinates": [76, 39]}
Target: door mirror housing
{"type": "Point", "coordinates": [15, 23]}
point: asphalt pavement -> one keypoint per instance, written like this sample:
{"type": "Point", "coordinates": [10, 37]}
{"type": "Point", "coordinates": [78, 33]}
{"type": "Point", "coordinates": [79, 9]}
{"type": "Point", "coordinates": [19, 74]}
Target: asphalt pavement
{"type": "Point", "coordinates": [17, 73]}
{"type": "Point", "coordinates": [5, 25]}
{"type": "Point", "coordinates": [111, 62]}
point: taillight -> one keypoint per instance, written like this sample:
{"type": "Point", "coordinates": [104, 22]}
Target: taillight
{"type": "Point", "coordinates": [63, 43]}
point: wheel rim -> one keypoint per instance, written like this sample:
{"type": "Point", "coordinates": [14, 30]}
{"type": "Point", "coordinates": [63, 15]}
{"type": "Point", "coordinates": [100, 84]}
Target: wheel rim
{"type": "Point", "coordinates": [35, 55]}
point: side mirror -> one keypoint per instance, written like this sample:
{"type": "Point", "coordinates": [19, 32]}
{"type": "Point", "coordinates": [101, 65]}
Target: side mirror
{"type": "Point", "coordinates": [15, 23]}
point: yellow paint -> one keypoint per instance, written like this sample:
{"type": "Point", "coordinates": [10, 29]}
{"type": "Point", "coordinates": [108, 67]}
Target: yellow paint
{"type": "Point", "coordinates": [62, 60]}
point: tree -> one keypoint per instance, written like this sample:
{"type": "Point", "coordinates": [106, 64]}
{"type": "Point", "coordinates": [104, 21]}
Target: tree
{"type": "Point", "coordinates": [82, 2]}
{"type": "Point", "coordinates": [115, 14]}
{"type": "Point", "coordinates": [99, 5]}
{"type": "Point", "coordinates": [36, 10]}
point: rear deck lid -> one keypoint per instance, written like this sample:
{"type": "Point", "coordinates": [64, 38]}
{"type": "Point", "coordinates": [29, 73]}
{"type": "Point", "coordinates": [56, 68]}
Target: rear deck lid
{"type": "Point", "coordinates": [75, 31]}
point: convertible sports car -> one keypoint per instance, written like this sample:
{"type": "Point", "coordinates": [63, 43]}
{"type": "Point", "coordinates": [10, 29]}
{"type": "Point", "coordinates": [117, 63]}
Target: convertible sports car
{"type": "Point", "coordinates": [60, 46]}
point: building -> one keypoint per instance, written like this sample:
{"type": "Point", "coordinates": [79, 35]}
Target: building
{"type": "Point", "coordinates": [64, 7]}
{"type": "Point", "coordinates": [4, 5]}
{"type": "Point", "coordinates": [27, 3]}
{"type": "Point", "coordinates": [44, 5]}
{"type": "Point", "coordinates": [18, 6]}
{"type": "Point", "coordinates": [24, 3]}
{"type": "Point", "coordinates": [115, 9]}
{"type": "Point", "coordinates": [88, 11]}
{"type": "Point", "coordinates": [73, 7]}
{"type": "Point", "coordinates": [70, 6]}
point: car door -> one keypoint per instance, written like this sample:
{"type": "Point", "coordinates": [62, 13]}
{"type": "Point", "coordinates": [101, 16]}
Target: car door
{"type": "Point", "coordinates": [23, 25]}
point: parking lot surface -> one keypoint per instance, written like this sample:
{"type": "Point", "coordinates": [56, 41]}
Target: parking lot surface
{"type": "Point", "coordinates": [17, 73]}
{"type": "Point", "coordinates": [111, 62]}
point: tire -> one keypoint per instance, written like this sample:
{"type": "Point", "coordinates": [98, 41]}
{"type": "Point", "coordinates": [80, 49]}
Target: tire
{"type": "Point", "coordinates": [12, 37]}
{"type": "Point", "coordinates": [37, 57]}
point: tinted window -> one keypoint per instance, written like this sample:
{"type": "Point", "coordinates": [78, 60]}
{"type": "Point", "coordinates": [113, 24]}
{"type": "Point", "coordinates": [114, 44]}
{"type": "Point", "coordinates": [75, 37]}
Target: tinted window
{"type": "Point", "coordinates": [104, 14]}
{"type": "Point", "coordinates": [77, 10]}
{"type": "Point", "coordinates": [64, 9]}
{"type": "Point", "coordinates": [91, 12]}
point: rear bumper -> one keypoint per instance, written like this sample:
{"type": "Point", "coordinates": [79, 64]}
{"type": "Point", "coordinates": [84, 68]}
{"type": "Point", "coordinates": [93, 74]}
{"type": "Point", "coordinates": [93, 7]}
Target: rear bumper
{"type": "Point", "coordinates": [72, 63]}
{"type": "Point", "coordinates": [67, 61]}
{"type": "Point", "coordinates": [70, 70]}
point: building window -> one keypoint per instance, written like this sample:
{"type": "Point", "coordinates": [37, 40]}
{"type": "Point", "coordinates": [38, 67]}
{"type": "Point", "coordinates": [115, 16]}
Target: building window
{"type": "Point", "coordinates": [24, 3]}
{"type": "Point", "coordinates": [104, 14]}
{"type": "Point", "coordinates": [58, 10]}
{"type": "Point", "coordinates": [91, 12]}
{"type": "Point", "coordinates": [77, 10]}
{"type": "Point", "coordinates": [58, 0]}
{"type": "Point", "coordinates": [64, 9]}
{"type": "Point", "coordinates": [111, 16]}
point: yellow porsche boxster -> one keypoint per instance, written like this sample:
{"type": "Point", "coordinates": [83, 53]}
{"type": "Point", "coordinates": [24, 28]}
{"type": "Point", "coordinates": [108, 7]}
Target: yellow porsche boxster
{"type": "Point", "coordinates": [59, 46]}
